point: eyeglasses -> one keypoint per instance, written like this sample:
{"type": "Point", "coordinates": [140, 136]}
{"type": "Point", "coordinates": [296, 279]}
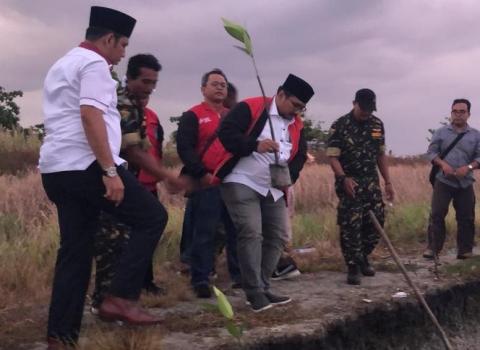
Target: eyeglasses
{"type": "Point", "coordinates": [299, 107]}
{"type": "Point", "coordinates": [217, 84]}
{"type": "Point", "coordinates": [459, 111]}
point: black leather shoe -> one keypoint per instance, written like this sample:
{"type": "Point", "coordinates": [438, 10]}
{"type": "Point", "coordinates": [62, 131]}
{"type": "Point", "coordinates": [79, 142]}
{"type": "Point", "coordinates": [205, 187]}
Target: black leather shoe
{"type": "Point", "coordinates": [202, 291]}
{"type": "Point", "coordinates": [353, 275]}
{"type": "Point", "coordinates": [57, 344]}
{"type": "Point", "coordinates": [428, 254]}
{"type": "Point", "coordinates": [152, 288]}
{"type": "Point", "coordinates": [237, 285]}
{"type": "Point", "coordinates": [464, 256]}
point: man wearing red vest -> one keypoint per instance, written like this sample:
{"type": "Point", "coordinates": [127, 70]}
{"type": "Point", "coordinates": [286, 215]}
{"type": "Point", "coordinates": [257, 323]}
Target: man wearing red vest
{"type": "Point", "coordinates": [196, 131]}
{"type": "Point", "coordinates": [257, 209]}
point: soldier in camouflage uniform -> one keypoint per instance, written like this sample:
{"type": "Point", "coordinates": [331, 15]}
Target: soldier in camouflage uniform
{"type": "Point", "coordinates": [142, 74]}
{"type": "Point", "coordinates": [356, 146]}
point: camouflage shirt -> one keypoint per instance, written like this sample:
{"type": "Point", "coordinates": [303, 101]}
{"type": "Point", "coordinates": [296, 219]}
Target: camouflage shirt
{"type": "Point", "coordinates": [357, 145]}
{"type": "Point", "coordinates": [132, 120]}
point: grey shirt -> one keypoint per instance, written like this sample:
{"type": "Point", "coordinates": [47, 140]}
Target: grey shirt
{"type": "Point", "coordinates": [465, 151]}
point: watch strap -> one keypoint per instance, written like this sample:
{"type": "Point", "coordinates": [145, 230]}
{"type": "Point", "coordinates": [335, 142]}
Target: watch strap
{"type": "Point", "coordinates": [110, 171]}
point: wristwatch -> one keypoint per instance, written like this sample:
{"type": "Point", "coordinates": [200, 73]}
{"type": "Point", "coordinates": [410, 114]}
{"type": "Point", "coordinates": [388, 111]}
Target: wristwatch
{"type": "Point", "coordinates": [111, 171]}
{"type": "Point", "coordinates": [470, 167]}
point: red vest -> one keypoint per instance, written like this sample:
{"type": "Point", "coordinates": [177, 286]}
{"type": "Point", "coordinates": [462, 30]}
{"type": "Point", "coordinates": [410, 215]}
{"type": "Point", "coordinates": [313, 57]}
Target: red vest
{"type": "Point", "coordinates": [208, 121]}
{"type": "Point", "coordinates": [216, 155]}
{"type": "Point", "coordinates": [152, 125]}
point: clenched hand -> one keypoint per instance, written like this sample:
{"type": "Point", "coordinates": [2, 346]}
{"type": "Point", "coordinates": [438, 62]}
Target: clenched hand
{"type": "Point", "coordinates": [114, 189]}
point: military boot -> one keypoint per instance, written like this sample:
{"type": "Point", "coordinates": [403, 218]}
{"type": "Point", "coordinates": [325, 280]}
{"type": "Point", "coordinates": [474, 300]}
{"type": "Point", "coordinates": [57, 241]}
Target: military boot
{"type": "Point", "coordinates": [366, 268]}
{"type": "Point", "coordinates": [353, 275]}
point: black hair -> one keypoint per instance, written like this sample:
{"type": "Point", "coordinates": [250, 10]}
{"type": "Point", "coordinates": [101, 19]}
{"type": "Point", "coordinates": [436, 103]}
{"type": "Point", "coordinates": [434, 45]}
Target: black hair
{"type": "Point", "coordinates": [135, 63]}
{"type": "Point", "coordinates": [231, 89]}
{"type": "Point", "coordinates": [213, 71]}
{"type": "Point", "coordinates": [462, 100]}
{"type": "Point", "coordinates": [95, 33]}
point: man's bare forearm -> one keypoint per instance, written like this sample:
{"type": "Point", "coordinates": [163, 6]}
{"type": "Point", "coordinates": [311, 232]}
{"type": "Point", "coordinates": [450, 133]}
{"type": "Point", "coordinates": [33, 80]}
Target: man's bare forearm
{"type": "Point", "coordinates": [96, 133]}
{"type": "Point", "coordinates": [336, 166]}
{"type": "Point", "coordinates": [141, 159]}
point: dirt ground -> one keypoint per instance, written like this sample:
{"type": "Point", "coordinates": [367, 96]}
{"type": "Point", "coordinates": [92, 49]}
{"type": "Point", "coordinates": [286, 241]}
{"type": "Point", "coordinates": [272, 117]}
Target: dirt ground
{"type": "Point", "coordinates": [319, 299]}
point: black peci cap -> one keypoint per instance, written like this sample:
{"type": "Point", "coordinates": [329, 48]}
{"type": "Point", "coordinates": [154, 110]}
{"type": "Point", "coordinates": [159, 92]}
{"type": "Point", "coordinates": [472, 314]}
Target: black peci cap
{"type": "Point", "coordinates": [298, 87]}
{"type": "Point", "coordinates": [107, 18]}
{"type": "Point", "coordinates": [366, 99]}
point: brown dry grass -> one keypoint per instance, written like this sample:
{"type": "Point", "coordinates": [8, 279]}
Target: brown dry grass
{"type": "Point", "coordinates": [315, 188]}
{"type": "Point", "coordinates": [29, 234]}
{"type": "Point", "coordinates": [18, 153]}
{"type": "Point", "coordinates": [29, 239]}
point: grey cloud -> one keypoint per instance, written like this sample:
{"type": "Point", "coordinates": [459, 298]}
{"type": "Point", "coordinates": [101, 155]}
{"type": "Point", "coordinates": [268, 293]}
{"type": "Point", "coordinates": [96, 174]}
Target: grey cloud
{"type": "Point", "coordinates": [417, 55]}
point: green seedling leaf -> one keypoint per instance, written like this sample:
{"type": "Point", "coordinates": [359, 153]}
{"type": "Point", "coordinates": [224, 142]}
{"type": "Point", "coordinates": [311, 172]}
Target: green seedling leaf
{"type": "Point", "coordinates": [248, 43]}
{"type": "Point", "coordinates": [241, 49]}
{"type": "Point", "coordinates": [233, 329]}
{"type": "Point", "coordinates": [223, 304]}
{"type": "Point", "coordinates": [234, 29]}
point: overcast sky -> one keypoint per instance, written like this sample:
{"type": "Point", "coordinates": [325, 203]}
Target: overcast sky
{"type": "Point", "coordinates": [417, 55]}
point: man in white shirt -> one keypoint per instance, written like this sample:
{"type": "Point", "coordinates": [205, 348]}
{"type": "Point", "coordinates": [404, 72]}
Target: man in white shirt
{"type": "Point", "coordinates": [255, 205]}
{"type": "Point", "coordinates": [82, 174]}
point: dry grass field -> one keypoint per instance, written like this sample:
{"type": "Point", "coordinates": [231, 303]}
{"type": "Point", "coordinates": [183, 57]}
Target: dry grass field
{"type": "Point", "coordinates": [29, 231]}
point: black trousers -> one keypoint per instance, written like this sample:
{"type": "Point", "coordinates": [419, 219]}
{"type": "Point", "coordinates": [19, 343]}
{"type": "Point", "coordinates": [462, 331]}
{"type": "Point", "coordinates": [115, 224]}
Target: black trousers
{"type": "Point", "coordinates": [110, 239]}
{"type": "Point", "coordinates": [78, 196]}
{"type": "Point", "coordinates": [464, 205]}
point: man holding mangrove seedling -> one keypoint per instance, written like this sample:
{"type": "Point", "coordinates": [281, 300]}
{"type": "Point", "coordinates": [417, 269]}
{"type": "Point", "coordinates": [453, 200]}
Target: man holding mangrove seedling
{"type": "Point", "coordinates": [82, 174]}
{"type": "Point", "coordinates": [356, 146]}
{"type": "Point", "coordinates": [245, 153]}
{"type": "Point", "coordinates": [455, 180]}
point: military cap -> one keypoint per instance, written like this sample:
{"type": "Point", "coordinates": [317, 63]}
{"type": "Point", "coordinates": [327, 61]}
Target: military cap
{"type": "Point", "coordinates": [366, 99]}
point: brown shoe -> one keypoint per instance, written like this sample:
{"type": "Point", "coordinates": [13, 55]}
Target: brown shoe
{"type": "Point", "coordinates": [119, 309]}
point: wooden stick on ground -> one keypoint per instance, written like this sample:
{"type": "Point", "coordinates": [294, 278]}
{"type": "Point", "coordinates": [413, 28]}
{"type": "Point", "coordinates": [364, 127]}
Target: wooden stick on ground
{"type": "Point", "coordinates": [419, 296]}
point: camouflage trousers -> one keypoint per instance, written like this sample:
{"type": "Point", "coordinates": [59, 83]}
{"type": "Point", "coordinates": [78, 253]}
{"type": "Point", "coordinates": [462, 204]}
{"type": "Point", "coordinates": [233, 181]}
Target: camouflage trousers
{"type": "Point", "coordinates": [358, 236]}
{"type": "Point", "coordinates": [109, 241]}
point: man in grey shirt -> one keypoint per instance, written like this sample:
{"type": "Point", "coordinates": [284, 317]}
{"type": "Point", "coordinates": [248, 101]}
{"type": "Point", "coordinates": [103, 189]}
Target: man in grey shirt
{"type": "Point", "coordinates": [454, 181]}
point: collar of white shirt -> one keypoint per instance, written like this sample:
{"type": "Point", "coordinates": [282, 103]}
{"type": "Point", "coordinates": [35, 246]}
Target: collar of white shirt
{"type": "Point", "coordinates": [273, 107]}
{"type": "Point", "coordinates": [274, 112]}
